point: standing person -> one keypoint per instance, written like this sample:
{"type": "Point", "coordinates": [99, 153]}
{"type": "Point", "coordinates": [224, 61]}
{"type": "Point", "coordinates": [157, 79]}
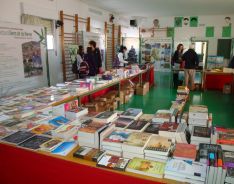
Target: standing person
{"type": "Point", "coordinates": [191, 60]}
{"type": "Point", "coordinates": [121, 56]}
{"type": "Point", "coordinates": [177, 58]}
{"type": "Point", "coordinates": [96, 56]}
{"type": "Point", "coordinates": [80, 57]}
{"type": "Point", "coordinates": [89, 58]}
{"type": "Point", "coordinates": [231, 64]}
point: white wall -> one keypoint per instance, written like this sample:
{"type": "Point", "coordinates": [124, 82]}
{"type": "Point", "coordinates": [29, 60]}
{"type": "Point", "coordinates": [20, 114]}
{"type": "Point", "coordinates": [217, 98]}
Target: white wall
{"type": "Point", "coordinates": [11, 10]}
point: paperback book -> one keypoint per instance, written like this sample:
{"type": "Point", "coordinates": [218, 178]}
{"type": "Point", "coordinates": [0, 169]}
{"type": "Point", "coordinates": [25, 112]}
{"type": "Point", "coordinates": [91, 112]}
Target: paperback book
{"type": "Point", "coordinates": [122, 123]}
{"type": "Point", "coordinates": [132, 113]}
{"type": "Point", "coordinates": [106, 117]}
{"type": "Point", "coordinates": [185, 151]}
{"type": "Point", "coordinates": [58, 121]}
{"type": "Point", "coordinates": [137, 126]}
{"type": "Point", "coordinates": [65, 148]}
{"type": "Point", "coordinates": [152, 128]}
{"type": "Point", "coordinates": [18, 137]}
{"type": "Point", "coordinates": [51, 144]}
{"type": "Point", "coordinates": [42, 129]}
{"type": "Point", "coordinates": [34, 142]}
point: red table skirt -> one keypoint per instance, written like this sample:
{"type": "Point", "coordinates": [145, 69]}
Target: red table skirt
{"type": "Point", "coordinates": [216, 82]}
{"type": "Point", "coordinates": [19, 166]}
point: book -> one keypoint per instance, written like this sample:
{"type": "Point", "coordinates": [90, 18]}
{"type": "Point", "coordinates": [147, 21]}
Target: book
{"type": "Point", "coordinates": [105, 117]}
{"type": "Point", "coordinates": [162, 116]}
{"type": "Point", "coordinates": [132, 113]}
{"type": "Point", "coordinates": [137, 126]}
{"type": "Point", "coordinates": [152, 129]}
{"type": "Point", "coordinates": [76, 113]}
{"type": "Point", "coordinates": [51, 144]}
{"type": "Point", "coordinates": [225, 138]}
{"type": "Point", "coordinates": [90, 154]}
{"type": "Point", "coordinates": [202, 134]}
{"type": "Point", "coordinates": [198, 112]}
{"type": "Point", "coordinates": [41, 129]}
{"type": "Point", "coordinates": [146, 117]}
{"type": "Point", "coordinates": [4, 131]}
{"type": "Point", "coordinates": [11, 122]}
{"type": "Point", "coordinates": [158, 145]}
{"type": "Point", "coordinates": [18, 137]}
{"type": "Point", "coordinates": [122, 123]}
{"type": "Point", "coordinates": [65, 148]}
{"type": "Point", "coordinates": [58, 121]}
{"type": "Point", "coordinates": [34, 142]}
{"type": "Point", "coordinates": [116, 138]}
{"type": "Point", "coordinates": [26, 126]}
{"type": "Point", "coordinates": [146, 167]}
{"type": "Point", "coordinates": [186, 169]}
{"type": "Point", "coordinates": [185, 151]}
{"type": "Point", "coordinates": [113, 162]}
{"type": "Point", "coordinates": [168, 129]}
{"type": "Point", "coordinates": [66, 132]}
{"type": "Point", "coordinates": [136, 142]}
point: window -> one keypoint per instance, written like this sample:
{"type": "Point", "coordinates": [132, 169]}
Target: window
{"type": "Point", "coordinates": [50, 42]}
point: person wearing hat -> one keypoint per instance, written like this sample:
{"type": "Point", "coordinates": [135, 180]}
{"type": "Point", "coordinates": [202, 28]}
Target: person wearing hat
{"type": "Point", "coordinates": [191, 61]}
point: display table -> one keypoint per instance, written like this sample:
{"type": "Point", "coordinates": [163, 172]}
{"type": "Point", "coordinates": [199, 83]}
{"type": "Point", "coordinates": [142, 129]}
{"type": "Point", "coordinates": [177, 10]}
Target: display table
{"type": "Point", "coordinates": [19, 165]}
{"type": "Point", "coordinates": [216, 80]}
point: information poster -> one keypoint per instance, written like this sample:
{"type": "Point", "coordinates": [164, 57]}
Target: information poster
{"type": "Point", "coordinates": [22, 58]}
{"type": "Point", "coordinates": [157, 51]}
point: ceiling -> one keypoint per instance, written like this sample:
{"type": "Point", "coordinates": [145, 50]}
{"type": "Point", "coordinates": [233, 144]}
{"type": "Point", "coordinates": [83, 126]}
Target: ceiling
{"type": "Point", "coordinates": [149, 8]}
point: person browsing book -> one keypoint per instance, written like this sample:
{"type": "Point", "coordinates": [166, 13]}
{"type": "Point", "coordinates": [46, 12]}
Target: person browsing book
{"type": "Point", "coordinates": [96, 54]}
{"type": "Point", "coordinates": [121, 57]}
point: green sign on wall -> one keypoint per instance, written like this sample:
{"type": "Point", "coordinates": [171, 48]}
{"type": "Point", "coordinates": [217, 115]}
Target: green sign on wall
{"type": "Point", "coordinates": [227, 31]}
{"type": "Point", "coordinates": [170, 32]}
{"type": "Point", "coordinates": [210, 31]}
{"type": "Point", "coordinates": [178, 21]}
{"type": "Point", "coordinates": [193, 21]}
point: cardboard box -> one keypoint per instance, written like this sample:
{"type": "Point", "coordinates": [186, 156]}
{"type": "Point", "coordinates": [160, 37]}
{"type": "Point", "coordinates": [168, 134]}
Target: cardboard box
{"type": "Point", "coordinates": [142, 90]}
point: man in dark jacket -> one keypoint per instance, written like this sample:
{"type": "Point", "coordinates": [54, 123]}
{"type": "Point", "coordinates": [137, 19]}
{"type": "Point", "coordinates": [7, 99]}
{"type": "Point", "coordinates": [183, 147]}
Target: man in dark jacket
{"type": "Point", "coordinates": [191, 60]}
{"type": "Point", "coordinates": [231, 64]}
{"type": "Point", "coordinates": [96, 56]}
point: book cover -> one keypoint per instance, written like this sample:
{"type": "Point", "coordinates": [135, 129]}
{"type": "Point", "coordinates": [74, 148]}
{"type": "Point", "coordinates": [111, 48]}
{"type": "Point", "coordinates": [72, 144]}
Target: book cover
{"type": "Point", "coordinates": [34, 142]}
{"type": "Point", "coordinates": [228, 159]}
{"type": "Point", "coordinates": [105, 115]}
{"type": "Point", "coordinates": [137, 125]}
{"type": "Point", "coordinates": [132, 112]}
{"type": "Point", "coordinates": [159, 143]}
{"type": "Point", "coordinates": [163, 114]}
{"type": "Point", "coordinates": [91, 126]}
{"type": "Point", "coordinates": [51, 144]}
{"type": "Point", "coordinates": [201, 132]}
{"type": "Point", "coordinates": [148, 167]}
{"type": "Point", "coordinates": [185, 151]}
{"type": "Point", "coordinates": [18, 137]}
{"type": "Point", "coordinates": [117, 137]}
{"type": "Point", "coordinates": [113, 162]}
{"type": "Point", "coordinates": [198, 109]}
{"type": "Point", "coordinates": [11, 122]}
{"type": "Point", "coordinates": [26, 126]}
{"type": "Point", "coordinates": [64, 148]}
{"type": "Point", "coordinates": [41, 129]}
{"type": "Point", "coordinates": [225, 138]}
{"type": "Point", "coordinates": [64, 129]}
{"type": "Point", "coordinates": [152, 128]}
{"type": "Point", "coordinates": [168, 126]}
{"type": "Point", "coordinates": [58, 121]}
{"type": "Point", "coordinates": [122, 122]}
{"type": "Point", "coordinates": [137, 139]}
{"type": "Point", "coordinates": [4, 131]}
{"type": "Point", "coordinates": [204, 150]}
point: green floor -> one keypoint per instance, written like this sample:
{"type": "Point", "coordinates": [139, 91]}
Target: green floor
{"type": "Point", "coordinates": [160, 97]}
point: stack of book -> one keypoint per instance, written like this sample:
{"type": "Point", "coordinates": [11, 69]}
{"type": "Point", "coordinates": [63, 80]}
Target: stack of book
{"type": "Point", "coordinates": [113, 143]}
{"type": "Point", "coordinates": [135, 144]}
{"type": "Point", "coordinates": [198, 116]}
{"type": "Point", "coordinates": [200, 135]}
{"type": "Point", "coordinates": [228, 159]}
{"type": "Point", "coordinates": [122, 123]}
{"type": "Point", "coordinates": [224, 137]}
{"type": "Point", "coordinates": [152, 128]}
{"type": "Point", "coordinates": [58, 121]}
{"type": "Point", "coordinates": [91, 133]}
{"type": "Point", "coordinates": [51, 144]}
{"type": "Point", "coordinates": [65, 132]}
{"type": "Point", "coordinates": [183, 90]}
{"type": "Point", "coordinates": [158, 148]}
{"type": "Point", "coordinates": [90, 154]}
{"type": "Point", "coordinates": [137, 126]}
{"type": "Point", "coordinates": [162, 116]}
{"type": "Point", "coordinates": [64, 148]}
{"type": "Point", "coordinates": [132, 113]}
{"type": "Point", "coordinates": [76, 113]}
{"type": "Point", "coordinates": [185, 171]}
{"type": "Point", "coordinates": [212, 155]}
{"type": "Point", "coordinates": [146, 167]}
{"type": "Point", "coordinates": [168, 129]}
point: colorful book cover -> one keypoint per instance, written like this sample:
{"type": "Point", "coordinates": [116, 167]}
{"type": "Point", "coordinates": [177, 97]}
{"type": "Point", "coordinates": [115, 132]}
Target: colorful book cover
{"type": "Point", "coordinates": [105, 115]}
{"type": "Point", "coordinates": [11, 122]}
{"type": "Point", "coordinates": [152, 128]}
{"type": "Point", "coordinates": [27, 126]}
{"type": "Point", "coordinates": [41, 129]}
{"type": "Point", "coordinates": [137, 125]}
{"type": "Point", "coordinates": [225, 138]}
{"type": "Point", "coordinates": [132, 112]}
{"type": "Point", "coordinates": [123, 122]}
{"type": "Point", "coordinates": [228, 159]}
{"type": "Point", "coordinates": [4, 131]}
{"type": "Point", "coordinates": [163, 114]}
{"type": "Point", "coordinates": [113, 162]}
{"type": "Point", "coordinates": [117, 137]}
{"type": "Point", "coordinates": [146, 166]}
{"type": "Point", "coordinates": [185, 151]}
{"type": "Point", "coordinates": [91, 126]}
{"type": "Point", "coordinates": [137, 139]}
{"type": "Point", "coordinates": [73, 105]}
{"type": "Point", "coordinates": [34, 142]}
{"type": "Point", "coordinates": [201, 132]}
{"type": "Point", "coordinates": [204, 150]}
{"type": "Point", "coordinates": [169, 127]}
{"type": "Point", "coordinates": [64, 148]}
{"type": "Point", "coordinates": [18, 137]}
{"type": "Point", "coordinates": [198, 109]}
{"type": "Point", "coordinates": [49, 145]}
{"type": "Point", "coordinates": [58, 121]}
{"type": "Point", "coordinates": [64, 129]}
{"type": "Point", "coordinates": [159, 143]}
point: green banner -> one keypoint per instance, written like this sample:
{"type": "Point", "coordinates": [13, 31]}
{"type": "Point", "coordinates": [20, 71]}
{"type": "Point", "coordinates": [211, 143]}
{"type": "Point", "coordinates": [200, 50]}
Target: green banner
{"type": "Point", "coordinates": [193, 21]}
{"type": "Point", "coordinates": [226, 32]}
{"type": "Point", "coordinates": [210, 31]}
{"type": "Point", "coordinates": [178, 21]}
{"type": "Point", "coordinates": [170, 32]}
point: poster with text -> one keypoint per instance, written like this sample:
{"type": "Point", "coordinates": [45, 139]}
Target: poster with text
{"type": "Point", "coordinates": [157, 51]}
{"type": "Point", "coordinates": [22, 58]}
